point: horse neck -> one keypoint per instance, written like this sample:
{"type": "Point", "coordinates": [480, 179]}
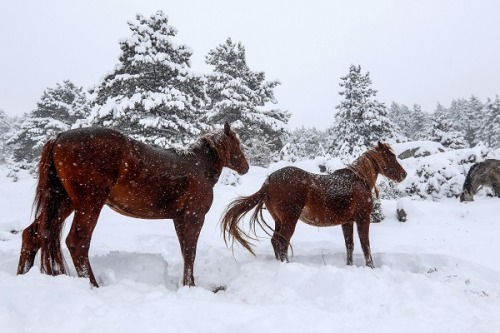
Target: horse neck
{"type": "Point", "coordinates": [468, 184]}
{"type": "Point", "coordinates": [209, 160]}
{"type": "Point", "coordinates": [471, 183]}
{"type": "Point", "coordinates": [366, 168]}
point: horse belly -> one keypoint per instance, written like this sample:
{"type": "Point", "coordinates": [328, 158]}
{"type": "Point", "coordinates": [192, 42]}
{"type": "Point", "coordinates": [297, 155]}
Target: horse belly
{"type": "Point", "coordinates": [140, 202]}
{"type": "Point", "coordinates": [132, 208]}
{"type": "Point", "coordinates": [321, 217]}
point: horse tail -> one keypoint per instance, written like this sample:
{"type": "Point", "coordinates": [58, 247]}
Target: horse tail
{"type": "Point", "coordinates": [235, 212]}
{"type": "Point", "coordinates": [48, 196]}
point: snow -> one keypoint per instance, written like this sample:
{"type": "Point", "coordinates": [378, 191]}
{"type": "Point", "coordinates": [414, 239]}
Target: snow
{"type": "Point", "coordinates": [438, 272]}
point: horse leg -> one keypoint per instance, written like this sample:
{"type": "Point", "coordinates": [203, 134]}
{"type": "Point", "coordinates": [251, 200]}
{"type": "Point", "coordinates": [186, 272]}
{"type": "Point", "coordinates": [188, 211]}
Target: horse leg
{"type": "Point", "coordinates": [30, 245]}
{"type": "Point", "coordinates": [496, 191]}
{"type": "Point", "coordinates": [277, 243]}
{"type": "Point", "coordinates": [363, 224]}
{"type": "Point", "coordinates": [79, 237]}
{"type": "Point", "coordinates": [286, 219]}
{"type": "Point", "coordinates": [348, 230]}
{"type": "Point", "coordinates": [283, 232]}
{"type": "Point", "coordinates": [188, 232]}
{"type": "Point", "coordinates": [31, 237]}
{"type": "Point", "coordinates": [179, 229]}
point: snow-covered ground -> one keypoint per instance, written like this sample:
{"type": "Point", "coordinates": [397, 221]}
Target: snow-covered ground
{"type": "Point", "coordinates": [438, 272]}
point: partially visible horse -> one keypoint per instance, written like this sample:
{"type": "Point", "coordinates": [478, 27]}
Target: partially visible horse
{"type": "Point", "coordinates": [486, 173]}
{"type": "Point", "coordinates": [341, 198]}
{"type": "Point", "coordinates": [82, 170]}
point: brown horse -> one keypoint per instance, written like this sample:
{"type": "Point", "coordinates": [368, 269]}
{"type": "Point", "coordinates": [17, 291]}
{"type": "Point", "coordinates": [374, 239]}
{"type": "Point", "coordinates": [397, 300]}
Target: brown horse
{"type": "Point", "coordinates": [290, 194]}
{"type": "Point", "coordinates": [82, 170]}
{"type": "Point", "coordinates": [486, 173]}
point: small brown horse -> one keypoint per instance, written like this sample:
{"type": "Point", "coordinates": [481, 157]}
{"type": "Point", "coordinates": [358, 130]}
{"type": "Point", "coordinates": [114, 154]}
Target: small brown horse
{"type": "Point", "coordinates": [290, 194]}
{"type": "Point", "coordinates": [82, 170]}
{"type": "Point", "coordinates": [486, 173]}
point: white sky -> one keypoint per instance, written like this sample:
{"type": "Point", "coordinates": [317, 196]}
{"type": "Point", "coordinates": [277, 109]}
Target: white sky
{"type": "Point", "coordinates": [416, 51]}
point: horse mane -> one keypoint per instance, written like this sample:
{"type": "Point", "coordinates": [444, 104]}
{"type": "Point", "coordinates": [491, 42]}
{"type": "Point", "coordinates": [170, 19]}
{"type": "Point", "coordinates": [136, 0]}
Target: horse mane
{"type": "Point", "coordinates": [365, 165]}
{"type": "Point", "coordinates": [215, 139]}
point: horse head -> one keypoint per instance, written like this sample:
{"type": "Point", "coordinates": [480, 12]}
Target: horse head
{"type": "Point", "coordinates": [389, 165]}
{"type": "Point", "coordinates": [466, 196]}
{"type": "Point", "coordinates": [235, 159]}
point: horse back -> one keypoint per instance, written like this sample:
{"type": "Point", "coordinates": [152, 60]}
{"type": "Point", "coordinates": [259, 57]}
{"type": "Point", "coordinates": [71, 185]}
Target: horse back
{"type": "Point", "coordinates": [488, 173]}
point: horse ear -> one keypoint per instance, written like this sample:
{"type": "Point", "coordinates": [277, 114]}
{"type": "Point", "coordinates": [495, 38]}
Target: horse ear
{"type": "Point", "coordinates": [380, 145]}
{"type": "Point", "coordinates": [227, 128]}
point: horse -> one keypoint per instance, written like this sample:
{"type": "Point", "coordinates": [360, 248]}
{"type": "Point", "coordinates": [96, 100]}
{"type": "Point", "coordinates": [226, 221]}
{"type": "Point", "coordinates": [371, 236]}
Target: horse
{"type": "Point", "coordinates": [82, 170]}
{"type": "Point", "coordinates": [343, 197]}
{"type": "Point", "coordinates": [486, 173]}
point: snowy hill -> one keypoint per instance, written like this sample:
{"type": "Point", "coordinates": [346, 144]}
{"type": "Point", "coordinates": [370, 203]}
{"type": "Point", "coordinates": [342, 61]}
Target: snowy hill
{"type": "Point", "coordinates": [438, 272]}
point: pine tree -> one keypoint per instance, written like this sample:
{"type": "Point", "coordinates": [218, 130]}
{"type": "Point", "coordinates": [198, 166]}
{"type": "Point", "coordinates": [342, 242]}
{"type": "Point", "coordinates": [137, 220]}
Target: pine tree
{"type": "Point", "coordinates": [458, 115]}
{"type": "Point", "coordinates": [410, 123]}
{"type": "Point", "coordinates": [238, 95]}
{"type": "Point", "coordinates": [442, 129]}
{"type": "Point", "coordinates": [472, 120]}
{"type": "Point", "coordinates": [420, 121]}
{"type": "Point", "coordinates": [304, 143]}
{"type": "Point", "coordinates": [57, 110]}
{"type": "Point", "coordinates": [401, 116]}
{"type": "Point", "coordinates": [491, 127]}
{"type": "Point", "coordinates": [360, 120]}
{"type": "Point", "coordinates": [6, 126]}
{"type": "Point", "coordinates": [152, 94]}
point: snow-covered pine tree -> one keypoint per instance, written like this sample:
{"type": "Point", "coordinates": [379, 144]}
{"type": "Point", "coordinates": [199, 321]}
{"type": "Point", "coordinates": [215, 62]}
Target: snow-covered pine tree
{"type": "Point", "coordinates": [239, 95]}
{"type": "Point", "coordinates": [459, 116]}
{"type": "Point", "coordinates": [152, 94]}
{"type": "Point", "coordinates": [442, 129]}
{"type": "Point", "coordinates": [420, 121]}
{"type": "Point", "coordinates": [473, 120]}
{"type": "Point", "coordinates": [401, 116]}
{"type": "Point", "coordinates": [304, 143]}
{"type": "Point", "coordinates": [410, 123]}
{"type": "Point", "coordinates": [6, 126]}
{"type": "Point", "coordinates": [491, 127]}
{"type": "Point", "coordinates": [57, 110]}
{"type": "Point", "coordinates": [360, 120]}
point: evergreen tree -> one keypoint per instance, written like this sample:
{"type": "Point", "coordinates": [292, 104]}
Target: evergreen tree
{"type": "Point", "coordinates": [360, 120]}
{"type": "Point", "coordinates": [304, 143]}
{"type": "Point", "coordinates": [401, 117]}
{"type": "Point", "coordinates": [57, 110]}
{"type": "Point", "coordinates": [410, 123]}
{"type": "Point", "coordinates": [6, 126]}
{"type": "Point", "coordinates": [472, 120]}
{"type": "Point", "coordinates": [152, 94]}
{"type": "Point", "coordinates": [238, 95]}
{"type": "Point", "coordinates": [491, 127]}
{"type": "Point", "coordinates": [442, 129]}
{"type": "Point", "coordinates": [458, 114]}
{"type": "Point", "coordinates": [420, 121]}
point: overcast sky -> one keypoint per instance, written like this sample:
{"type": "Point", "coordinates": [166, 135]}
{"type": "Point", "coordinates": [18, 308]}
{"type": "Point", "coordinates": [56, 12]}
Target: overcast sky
{"type": "Point", "coordinates": [416, 51]}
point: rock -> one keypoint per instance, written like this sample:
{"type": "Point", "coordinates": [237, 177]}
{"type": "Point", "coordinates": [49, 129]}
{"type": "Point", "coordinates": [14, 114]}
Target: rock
{"type": "Point", "coordinates": [401, 213]}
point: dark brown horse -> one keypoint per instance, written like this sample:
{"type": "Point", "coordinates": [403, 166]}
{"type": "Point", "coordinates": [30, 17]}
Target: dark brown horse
{"type": "Point", "coordinates": [82, 170]}
{"type": "Point", "coordinates": [486, 173]}
{"type": "Point", "coordinates": [290, 194]}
